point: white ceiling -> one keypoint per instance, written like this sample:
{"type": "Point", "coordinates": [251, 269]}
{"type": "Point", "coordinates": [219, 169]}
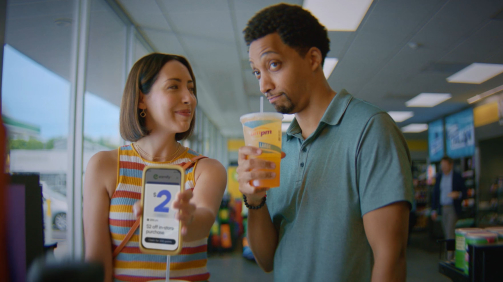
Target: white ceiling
{"type": "Point", "coordinates": [375, 62]}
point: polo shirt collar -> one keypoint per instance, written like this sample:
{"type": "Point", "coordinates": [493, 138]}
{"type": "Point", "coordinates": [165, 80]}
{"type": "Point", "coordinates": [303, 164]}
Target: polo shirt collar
{"type": "Point", "coordinates": [332, 116]}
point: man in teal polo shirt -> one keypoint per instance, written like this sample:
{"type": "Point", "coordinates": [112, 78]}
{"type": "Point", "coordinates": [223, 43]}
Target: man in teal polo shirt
{"type": "Point", "coordinates": [341, 212]}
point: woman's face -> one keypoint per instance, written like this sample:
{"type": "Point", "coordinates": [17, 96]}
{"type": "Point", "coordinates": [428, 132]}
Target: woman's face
{"type": "Point", "coordinates": [171, 103]}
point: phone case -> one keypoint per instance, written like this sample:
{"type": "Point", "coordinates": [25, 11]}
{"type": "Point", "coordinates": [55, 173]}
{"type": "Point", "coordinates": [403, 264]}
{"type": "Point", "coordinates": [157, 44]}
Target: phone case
{"type": "Point", "coordinates": [182, 188]}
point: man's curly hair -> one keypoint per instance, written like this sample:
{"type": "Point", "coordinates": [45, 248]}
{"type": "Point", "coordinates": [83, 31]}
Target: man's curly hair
{"type": "Point", "coordinates": [297, 28]}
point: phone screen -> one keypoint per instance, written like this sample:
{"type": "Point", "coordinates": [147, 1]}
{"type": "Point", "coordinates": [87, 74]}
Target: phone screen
{"type": "Point", "coordinates": [160, 228]}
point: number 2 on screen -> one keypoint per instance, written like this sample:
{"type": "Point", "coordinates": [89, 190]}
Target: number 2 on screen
{"type": "Point", "coordinates": [162, 206]}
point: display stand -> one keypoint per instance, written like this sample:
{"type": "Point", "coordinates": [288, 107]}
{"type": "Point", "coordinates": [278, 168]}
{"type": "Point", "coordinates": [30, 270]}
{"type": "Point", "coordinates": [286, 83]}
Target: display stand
{"type": "Point", "coordinates": [448, 269]}
{"type": "Point", "coordinates": [484, 264]}
{"type": "Point", "coordinates": [421, 195]}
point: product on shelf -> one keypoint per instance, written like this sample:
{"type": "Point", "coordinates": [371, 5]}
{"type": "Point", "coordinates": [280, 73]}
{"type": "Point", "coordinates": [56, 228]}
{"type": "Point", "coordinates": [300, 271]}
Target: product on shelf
{"type": "Point", "coordinates": [421, 194]}
{"type": "Point", "coordinates": [494, 229]}
{"type": "Point", "coordinates": [460, 249]}
{"type": "Point", "coordinates": [215, 235]}
{"type": "Point", "coordinates": [470, 192]}
{"type": "Point", "coordinates": [228, 227]}
{"type": "Point", "coordinates": [468, 202]}
{"type": "Point", "coordinates": [468, 173]}
{"type": "Point", "coordinates": [476, 238]}
{"type": "Point", "coordinates": [225, 236]}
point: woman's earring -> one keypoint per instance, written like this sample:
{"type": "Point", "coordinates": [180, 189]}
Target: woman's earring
{"type": "Point", "coordinates": [143, 113]}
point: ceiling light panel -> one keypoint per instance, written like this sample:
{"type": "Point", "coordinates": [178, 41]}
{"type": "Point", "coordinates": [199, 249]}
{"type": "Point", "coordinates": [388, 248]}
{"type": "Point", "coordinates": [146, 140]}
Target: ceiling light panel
{"type": "Point", "coordinates": [329, 66]}
{"type": "Point", "coordinates": [415, 128]}
{"type": "Point", "coordinates": [428, 100]}
{"type": "Point", "coordinates": [476, 73]}
{"type": "Point", "coordinates": [338, 15]}
{"type": "Point", "coordinates": [401, 116]}
{"type": "Point", "coordinates": [486, 94]}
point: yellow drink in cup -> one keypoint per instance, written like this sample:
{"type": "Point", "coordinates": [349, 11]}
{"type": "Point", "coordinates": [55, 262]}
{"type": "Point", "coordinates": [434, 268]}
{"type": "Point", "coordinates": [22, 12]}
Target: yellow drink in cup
{"type": "Point", "coordinates": [263, 130]}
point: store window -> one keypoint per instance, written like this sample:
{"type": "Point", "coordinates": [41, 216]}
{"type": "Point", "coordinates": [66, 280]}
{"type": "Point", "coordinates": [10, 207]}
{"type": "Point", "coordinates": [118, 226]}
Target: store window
{"type": "Point", "coordinates": [36, 102]}
{"type": "Point", "coordinates": [213, 140]}
{"type": "Point", "coordinates": [206, 136]}
{"type": "Point", "coordinates": [196, 139]}
{"type": "Point", "coordinates": [105, 79]}
{"type": "Point", "coordinates": [139, 50]}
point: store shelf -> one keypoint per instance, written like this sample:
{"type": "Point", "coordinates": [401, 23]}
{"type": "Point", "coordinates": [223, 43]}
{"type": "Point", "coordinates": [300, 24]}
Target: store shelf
{"type": "Point", "coordinates": [448, 269]}
{"type": "Point", "coordinates": [484, 264]}
{"type": "Point", "coordinates": [490, 211]}
{"type": "Point", "coordinates": [421, 195]}
{"type": "Point", "coordinates": [468, 173]}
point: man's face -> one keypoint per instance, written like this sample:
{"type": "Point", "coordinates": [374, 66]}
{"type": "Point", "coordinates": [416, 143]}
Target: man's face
{"type": "Point", "coordinates": [282, 73]}
{"type": "Point", "coordinates": [446, 166]}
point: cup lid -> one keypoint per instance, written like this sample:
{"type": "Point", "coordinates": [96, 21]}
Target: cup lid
{"type": "Point", "coordinates": [271, 115]}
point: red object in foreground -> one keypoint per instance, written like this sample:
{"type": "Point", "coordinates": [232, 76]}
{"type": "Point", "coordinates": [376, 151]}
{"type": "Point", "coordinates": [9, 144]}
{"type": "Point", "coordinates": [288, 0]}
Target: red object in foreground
{"type": "Point", "coordinates": [3, 211]}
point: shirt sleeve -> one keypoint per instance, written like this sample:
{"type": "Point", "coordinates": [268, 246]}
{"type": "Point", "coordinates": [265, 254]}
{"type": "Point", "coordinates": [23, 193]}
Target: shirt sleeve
{"type": "Point", "coordinates": [383, 165]}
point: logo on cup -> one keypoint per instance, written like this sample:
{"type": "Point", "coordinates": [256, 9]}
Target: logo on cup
{"type": "Point", "coordinates": [261, 132]}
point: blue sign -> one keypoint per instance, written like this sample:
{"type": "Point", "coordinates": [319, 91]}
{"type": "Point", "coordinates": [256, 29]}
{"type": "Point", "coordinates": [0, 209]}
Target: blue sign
{"type": "Point", "coordinates": [436, 140]}
{"type": "Point", "coordinates": [460, 134]}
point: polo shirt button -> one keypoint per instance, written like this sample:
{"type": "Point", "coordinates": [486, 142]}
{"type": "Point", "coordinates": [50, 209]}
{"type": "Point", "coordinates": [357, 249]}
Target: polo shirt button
{"type": "Point", "coordinates": [301, 164]}
{"type": "Point", "coordinates": [304, 149]}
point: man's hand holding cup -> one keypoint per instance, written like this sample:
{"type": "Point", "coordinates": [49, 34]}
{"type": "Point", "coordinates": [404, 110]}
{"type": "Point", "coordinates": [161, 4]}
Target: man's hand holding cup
{"type": "Point", "coordinates": [250, 171]}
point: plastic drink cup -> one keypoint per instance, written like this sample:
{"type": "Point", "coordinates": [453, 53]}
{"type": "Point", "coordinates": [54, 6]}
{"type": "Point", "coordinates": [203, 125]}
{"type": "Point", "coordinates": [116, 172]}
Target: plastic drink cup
{"type": "Point", "coordinates": [477, 239]}
{"type": "Point", "coordinates": [460, 251]}
{"type": "Point", "coordinates": [263, 130]}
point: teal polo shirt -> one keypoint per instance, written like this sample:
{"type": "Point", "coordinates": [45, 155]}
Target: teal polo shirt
{"type": "Point", "coordinates": [356, 161]}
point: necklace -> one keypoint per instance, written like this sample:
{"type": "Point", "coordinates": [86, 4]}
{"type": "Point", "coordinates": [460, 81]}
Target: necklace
{"type": "Point", "coordinates": [143, 153]}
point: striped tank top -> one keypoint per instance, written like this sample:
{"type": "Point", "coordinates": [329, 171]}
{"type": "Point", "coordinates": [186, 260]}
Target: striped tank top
{"type": "Point", "coordinates": [131, 264]}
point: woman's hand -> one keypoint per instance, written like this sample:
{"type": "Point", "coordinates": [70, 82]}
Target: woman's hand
{"type": "Point", "coordinates": [185, 209]}
{"type": "Point", "coordinates": [181, 203]}
{"type": "Point", "coordinates": [137, 209]}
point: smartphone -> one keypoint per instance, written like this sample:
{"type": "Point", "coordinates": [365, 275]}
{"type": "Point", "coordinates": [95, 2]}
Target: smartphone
{"type": "Point", "coordinates": [160, 231]}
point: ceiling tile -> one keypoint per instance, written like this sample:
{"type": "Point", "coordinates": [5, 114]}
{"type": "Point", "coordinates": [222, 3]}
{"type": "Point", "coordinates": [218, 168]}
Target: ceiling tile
{"type": "Point", "coordinates": [146, 14]}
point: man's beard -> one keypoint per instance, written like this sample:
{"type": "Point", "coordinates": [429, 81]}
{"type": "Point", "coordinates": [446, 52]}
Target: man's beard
{"type": "Point", "coordinates": [285, 109]}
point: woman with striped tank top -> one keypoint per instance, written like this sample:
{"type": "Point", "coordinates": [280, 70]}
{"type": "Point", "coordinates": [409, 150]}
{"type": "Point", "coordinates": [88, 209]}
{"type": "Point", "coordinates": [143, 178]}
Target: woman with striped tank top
{"type": "Point", "coordinates": [157, 111]}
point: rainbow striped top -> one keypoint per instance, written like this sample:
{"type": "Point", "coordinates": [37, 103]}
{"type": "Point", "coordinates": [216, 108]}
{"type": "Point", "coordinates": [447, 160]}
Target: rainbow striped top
{"type": "Point", "coordinates": [131, 264]}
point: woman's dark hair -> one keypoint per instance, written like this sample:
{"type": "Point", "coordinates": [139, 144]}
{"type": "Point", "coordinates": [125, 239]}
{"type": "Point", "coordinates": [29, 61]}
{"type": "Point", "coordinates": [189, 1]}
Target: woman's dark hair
{"type": "Point", "coordinates": [297, 28]}
{"type": "Point", "coordinates": [142, 76]}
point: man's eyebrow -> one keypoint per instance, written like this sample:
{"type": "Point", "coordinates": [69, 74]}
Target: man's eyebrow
{"type": "Point", "coordinates": [265, 53]}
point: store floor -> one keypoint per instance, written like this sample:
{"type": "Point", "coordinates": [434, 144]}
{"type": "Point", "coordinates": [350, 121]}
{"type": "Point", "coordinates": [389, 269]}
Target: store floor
{"type": "Point", "coordinates": [422, 264]}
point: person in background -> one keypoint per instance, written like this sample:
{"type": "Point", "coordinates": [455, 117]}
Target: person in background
{"type": "Point", "coordinates": [341, 212]}
{"type": "Point", "coordinates": [157, 110]}
{"type": "Point", "coordinates": [448, 193]}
